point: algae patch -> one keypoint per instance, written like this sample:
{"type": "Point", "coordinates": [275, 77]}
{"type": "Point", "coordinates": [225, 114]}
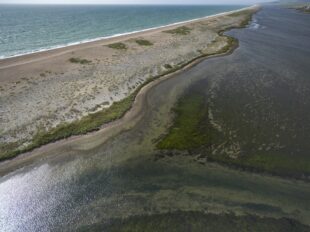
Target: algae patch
{"type": "Point", "coordinates": [190, 129]}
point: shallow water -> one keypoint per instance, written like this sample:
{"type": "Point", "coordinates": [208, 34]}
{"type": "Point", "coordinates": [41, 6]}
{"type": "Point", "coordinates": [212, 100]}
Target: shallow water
{"type": "Point", "coordinates": [122, 178]}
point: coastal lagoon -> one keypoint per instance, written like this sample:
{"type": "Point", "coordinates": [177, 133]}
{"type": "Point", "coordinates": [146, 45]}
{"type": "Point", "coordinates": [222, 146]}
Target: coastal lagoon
{"type": "Point", "coordinates": [89, 186]}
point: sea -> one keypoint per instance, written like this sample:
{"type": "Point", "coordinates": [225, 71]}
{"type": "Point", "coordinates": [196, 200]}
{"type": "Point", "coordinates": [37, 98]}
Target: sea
{"type": "Point", "coordinates": [27, 29]}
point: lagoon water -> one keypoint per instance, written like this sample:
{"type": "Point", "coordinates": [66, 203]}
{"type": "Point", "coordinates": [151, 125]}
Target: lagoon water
{"type": "Point", "coordinates": [75, 187]}
{"type": "Point", "coordinates": [30, 28]}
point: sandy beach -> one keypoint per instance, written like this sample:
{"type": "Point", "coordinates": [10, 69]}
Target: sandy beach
{"type": "Point", "coordinates": [41, 91]}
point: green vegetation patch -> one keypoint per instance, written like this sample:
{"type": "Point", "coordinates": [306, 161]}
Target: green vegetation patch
{"type": "Point", "coordinates": [119, 46]}
{"type": "Point", "coordinates": [230, 45]}
{"type": "Point", "coordinates": [144, 42]}
{"type": "Point", "coordinates": [241, 13]}
{"type": "Point", "coordinates": [167, 66]}
{"type": "Point", "coordinates": [246, 16]}
{"type": "Point", "coordinates": [76, 60]}
{"type": "Point", "coordinates": [181, 221]}
{"type": "Point", "coordinates": [190, 128]}
{"type": "Point", "coordinates": [179, 31]}
{"type": "Point", "coordinates": [87, 124]}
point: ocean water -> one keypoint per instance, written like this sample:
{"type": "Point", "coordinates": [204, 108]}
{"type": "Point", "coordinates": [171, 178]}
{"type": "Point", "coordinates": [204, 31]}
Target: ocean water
{"type": "Point", "coordinates": [30, 28]}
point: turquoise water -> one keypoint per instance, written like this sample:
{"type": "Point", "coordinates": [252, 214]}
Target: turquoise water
{"type": "Point", "coordinates": [26, 29]}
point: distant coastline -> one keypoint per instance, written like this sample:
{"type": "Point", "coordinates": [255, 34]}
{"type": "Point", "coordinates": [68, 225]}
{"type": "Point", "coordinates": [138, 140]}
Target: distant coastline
{"type": "Point", "coordinates": [117, 35]}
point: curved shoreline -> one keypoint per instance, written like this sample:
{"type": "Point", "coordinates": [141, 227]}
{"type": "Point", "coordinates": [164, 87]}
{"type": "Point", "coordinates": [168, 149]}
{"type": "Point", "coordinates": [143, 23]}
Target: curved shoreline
{"type": "Point", "coordinates": [107, 130]}
{"type": "Point", "coordinates": [110, 129]}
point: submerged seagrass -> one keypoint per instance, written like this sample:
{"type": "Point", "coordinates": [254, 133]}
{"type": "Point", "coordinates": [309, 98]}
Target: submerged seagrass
{"type": "Point", "coordinates": [194, 130]}
{"type": "Point", "coordinates": [248, 121]}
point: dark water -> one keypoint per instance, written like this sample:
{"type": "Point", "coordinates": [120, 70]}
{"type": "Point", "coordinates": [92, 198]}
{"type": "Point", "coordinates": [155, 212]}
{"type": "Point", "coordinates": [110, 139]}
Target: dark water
{"type": "Point", "coordinates": [81, 186]}
{"type": "Point", "coordinates": [31, 28]}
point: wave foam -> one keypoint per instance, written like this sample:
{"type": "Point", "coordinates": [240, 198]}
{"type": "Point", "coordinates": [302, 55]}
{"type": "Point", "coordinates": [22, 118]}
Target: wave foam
{"type": "Point", "coordinates": [113, 36]}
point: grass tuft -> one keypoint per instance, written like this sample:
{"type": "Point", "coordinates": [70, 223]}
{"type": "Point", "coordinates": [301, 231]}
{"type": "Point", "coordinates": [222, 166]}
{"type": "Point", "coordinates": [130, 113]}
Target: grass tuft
{"type": "Point", "coordinates": [179, 31]}
{"type": "Point", "coordinates": [119, 46]}
{"type": "Point", "coordinates": [168, 66]}
{"type": "Point", "coordinates": [144, 42]}
{"type": "Point", "coordinates": [79, 61]}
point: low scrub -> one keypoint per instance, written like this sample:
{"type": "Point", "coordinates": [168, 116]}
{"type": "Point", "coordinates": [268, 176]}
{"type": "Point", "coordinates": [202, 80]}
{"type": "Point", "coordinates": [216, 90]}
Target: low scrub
{"type": "Point", "coordinates": [79, 61]}
{"type": "Point", "coordinates": [180, 31]}
{"type": "Point", "coordinates": [144, 42]}
{"type": "Point", "coordinates": [168, 66]}
{"type": "Point", "coordinates": [119, 46]}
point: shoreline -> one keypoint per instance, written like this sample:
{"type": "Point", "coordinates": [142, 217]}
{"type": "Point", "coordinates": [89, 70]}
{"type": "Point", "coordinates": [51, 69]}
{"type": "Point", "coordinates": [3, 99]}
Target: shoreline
{"type": "Point", "coordinates": [119, 35]}
{"type": "Point", "coordinates": [36, 56]}
{"type": "Point", "coordinates": [25, 156]}
{"type": "Point", "coordinates": [231, 107]}
{"type": "Point", "coordinates": [132, 116]}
